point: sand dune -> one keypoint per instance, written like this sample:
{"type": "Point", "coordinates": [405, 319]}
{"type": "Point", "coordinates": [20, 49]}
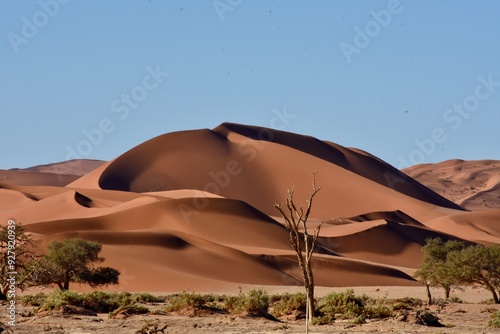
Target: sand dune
{"type": "Point", "coordinates": [76, 167]}
{"type": "Point", "coordinates": [29, 178]}
{"type": "Point", "coordinates": [194, 210]}
{"type": "Point", "coordinates": [234, 165]}
{"type": "Point", "coordinates": [474, 185]}
{"type": "Point", "coordinates": [55, 174]}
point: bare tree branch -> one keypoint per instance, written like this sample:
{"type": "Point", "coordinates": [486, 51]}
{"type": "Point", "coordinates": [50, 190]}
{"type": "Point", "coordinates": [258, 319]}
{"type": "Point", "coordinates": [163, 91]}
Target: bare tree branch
{"type": "Point", "coordinates": [295, 220]}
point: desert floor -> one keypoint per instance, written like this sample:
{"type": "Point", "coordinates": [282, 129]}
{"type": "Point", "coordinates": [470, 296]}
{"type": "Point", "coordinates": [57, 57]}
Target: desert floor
{"type": "Point", "coordinates": [471, 316]}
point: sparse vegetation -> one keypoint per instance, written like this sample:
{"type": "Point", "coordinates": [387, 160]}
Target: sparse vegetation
{"type": "Point", "coordinates": [288, 304]}
{"type": "Point", "coordinates": [96, 301]}
{"type": "Point", "coordinates": [105, 302]}
{"type": "Point", "coordinates": [17, 250]}
{"type": "Point", "coordinates": [152, 327]}
{"type": "Point", "coordinates": [494, 320]}
{"type": "Point", "coordinates": [34, 300]}
{"type": "Point", "coordinates": [478, 265]}
{"type": "Point", "coordinates": [58, 299]}
{"type": "Point", "coordinates": [142, 297]}
{"type": "Point", "coordinates": [71, 260]}
{"type": "Point", "coordinates": [187, 300]}
{"type": "Point", "coordinates": [435, 269]}
{"type": "Point", "coordinates": [126, 310]}
{"type": "Point", "coordinates": [346, 305]}
{"type": "Point", "coordinates": [452, 264]}
{"type": "Point", "coordinates": [254, 304]}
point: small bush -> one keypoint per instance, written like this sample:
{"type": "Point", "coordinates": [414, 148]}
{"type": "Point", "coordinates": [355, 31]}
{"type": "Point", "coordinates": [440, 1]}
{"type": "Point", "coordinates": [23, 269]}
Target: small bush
{"type": "Point", "coordinates": [258, 302]}
{"type": "Point", "coordinates": [152, 327]}
{"type": "Point", "coordinates": [34, 300]}
{"type": "Point", "coordinates": [105, 302]}
{"type": "Point", "coordinates": [57, 299]}
{"type": "Point", "coordinates": [186, 300]}
{"type": "Point", "coordinates": [406, 303]}
{"type": "Point", "coordinates": [142, 297]}
{"type": "Point", "coordinates": [255, 303]}
{"type": "Point", "coordinates": [456, 300]}
{"type": "Point", "coordinates": [344, 304]}
{"type": "Point", "coordinates": [235, 304]}
{"type": "Point", "coordinates": [128, 310]}
{"type": "Point", "coordinates": [287, 304]}
{"type": "Point", "coordinates": [377, 309]}
{"type": "Point", "coordinates": [323, 319]}
{"type": "Point", "coordinates": [359, 320]}
{"type": "Point", "coordinates": [494, 320]}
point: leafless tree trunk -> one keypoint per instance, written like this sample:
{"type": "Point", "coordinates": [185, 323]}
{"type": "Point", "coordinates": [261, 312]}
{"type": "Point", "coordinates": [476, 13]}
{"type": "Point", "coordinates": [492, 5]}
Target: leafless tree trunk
{"type": "Point", "coordinates": [302, 242]}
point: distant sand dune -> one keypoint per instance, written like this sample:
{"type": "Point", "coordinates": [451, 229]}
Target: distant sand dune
{"type": "Point", "coordinates": [475, 185]}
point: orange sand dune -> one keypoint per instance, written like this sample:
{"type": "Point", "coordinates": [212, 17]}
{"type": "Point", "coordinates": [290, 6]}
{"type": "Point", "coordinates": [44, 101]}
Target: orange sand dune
{"type": "Point", "coordinates": [171, 245]}
{"type": "Point", "coordinates": [481, 226]}
{"type": "Point", "coordinates": [194, 210]}
{"type": "Point", "coordinates": [475, 185]}
{"type": "Point", "coordinates": [228, 162]}
{"type": "Point", "coordinates": [401, 243]}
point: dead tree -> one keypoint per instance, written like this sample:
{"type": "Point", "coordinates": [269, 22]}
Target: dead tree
{"type": "Point", "coordinates": [301, 241]}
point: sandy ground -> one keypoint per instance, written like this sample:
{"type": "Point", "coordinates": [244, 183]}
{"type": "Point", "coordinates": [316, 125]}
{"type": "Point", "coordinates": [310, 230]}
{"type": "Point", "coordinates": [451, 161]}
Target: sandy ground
{"type": "Point", "coordinates": [467, 317]}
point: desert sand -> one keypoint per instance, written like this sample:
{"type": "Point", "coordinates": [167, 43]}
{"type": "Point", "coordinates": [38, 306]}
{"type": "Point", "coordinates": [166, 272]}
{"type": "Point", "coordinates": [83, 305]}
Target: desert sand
{"type": "Point", "coordinates": [471, 316]}
{"type": "Point", "coordinates": [475, 185]}
{"type": "Point", "coordinates": [193, 210]}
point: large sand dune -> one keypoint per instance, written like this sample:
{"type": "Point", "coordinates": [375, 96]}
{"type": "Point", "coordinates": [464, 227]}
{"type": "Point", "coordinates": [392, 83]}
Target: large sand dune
{"type": "Point", "coordinates": [194, 210]}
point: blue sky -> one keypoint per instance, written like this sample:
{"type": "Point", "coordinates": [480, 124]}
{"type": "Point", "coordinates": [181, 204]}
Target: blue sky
{"type": "Point", "coordinates": [408, 81]}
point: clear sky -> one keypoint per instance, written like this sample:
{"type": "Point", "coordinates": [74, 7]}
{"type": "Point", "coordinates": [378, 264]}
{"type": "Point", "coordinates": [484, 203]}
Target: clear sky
{"type": "Point", "coordinates": [408, 81]}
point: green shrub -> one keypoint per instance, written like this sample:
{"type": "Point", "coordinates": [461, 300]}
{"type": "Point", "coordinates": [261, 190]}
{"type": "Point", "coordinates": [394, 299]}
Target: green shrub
{"type": "Point", "coordinates": [57, 299]}
{"type": "Point", "coordinates": [255, 303]}
{"type": "Point", "coordinates": [494, 320]}
{"type": "Point", "coordinates": [128, 310]}
{"type": "Point", "coordinates": [344, 304]}
{"type": "Point", "coordinates": [142, 297]}
{"type": "Point", "coordinates": [287, 304]}
{"type": "Point", "coordinates": [323, 319]}
{"type": "Point", "coordinates": [186, 300]}
{"type": "Point", "coordinates": [34, 300]}
{"type": "Point", "coordinates": [235, 304]}
{"type": "Point", "coordinates": [406, 303]}
{"type": "Point", "coordinates": [377, 309]}
{"type": "Point", "coordinates": [456, 300]}
{"type": "Point", "coordinates": [359, 320]}
{"type": "Point", "coordinates": [105, 302]}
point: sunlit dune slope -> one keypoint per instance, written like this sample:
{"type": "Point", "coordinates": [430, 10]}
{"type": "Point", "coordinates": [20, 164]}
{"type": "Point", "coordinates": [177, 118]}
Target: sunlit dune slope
{"type": "Point", "coordinates": [474, 184]}
{"type": "Point", "coordinates": [228, 161]}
